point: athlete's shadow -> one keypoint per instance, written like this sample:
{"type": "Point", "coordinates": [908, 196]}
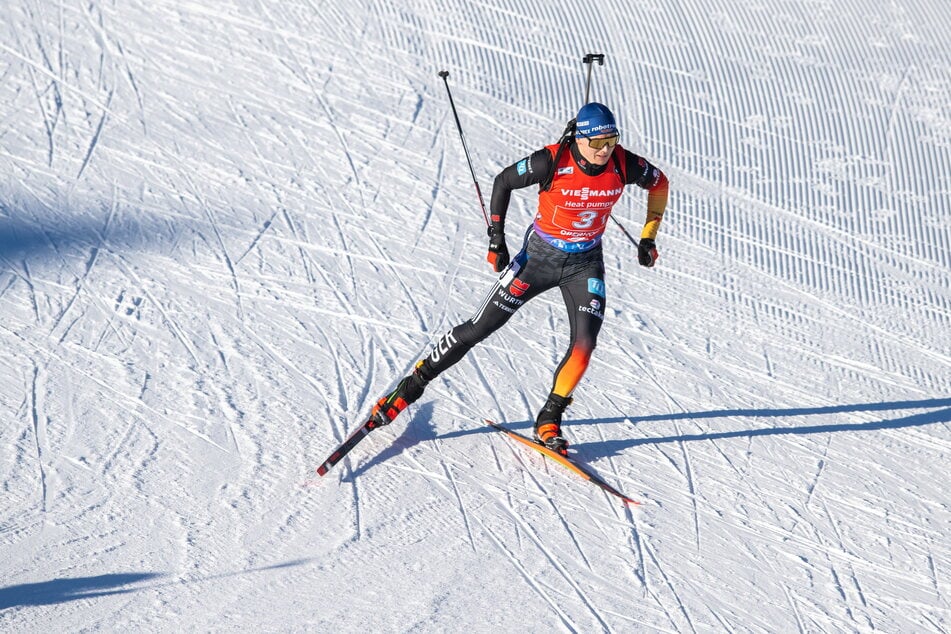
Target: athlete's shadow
{"type": "Point", "coordinates": [604, 449]}
{"type": "Point", "coordinates": [418, 429]}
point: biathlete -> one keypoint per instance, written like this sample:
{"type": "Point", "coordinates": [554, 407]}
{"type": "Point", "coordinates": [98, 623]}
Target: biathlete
{"type": "Point", "coordinates": [580, 181]}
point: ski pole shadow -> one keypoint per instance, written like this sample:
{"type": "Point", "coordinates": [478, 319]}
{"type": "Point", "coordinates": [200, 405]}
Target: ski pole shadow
{"type": "Point", "coordinates": [66, 590]}
{"type": "Point", "coordinates": [594, 450]}
{"type": "Point", "coordinates": [419, 429]}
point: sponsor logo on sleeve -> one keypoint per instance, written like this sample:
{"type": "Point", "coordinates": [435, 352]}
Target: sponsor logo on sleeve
{"type": "Point", "coordinates": [522, 166]}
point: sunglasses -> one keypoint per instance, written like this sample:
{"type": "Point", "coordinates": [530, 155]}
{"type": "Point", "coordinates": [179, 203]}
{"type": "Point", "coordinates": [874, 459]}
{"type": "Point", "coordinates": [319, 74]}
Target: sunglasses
{"type": "Point", "coordinates": [597, 144]}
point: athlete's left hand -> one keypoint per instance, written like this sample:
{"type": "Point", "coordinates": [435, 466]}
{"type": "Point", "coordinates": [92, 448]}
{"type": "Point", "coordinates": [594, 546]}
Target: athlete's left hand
{"type": "Point", "coordinates": [498, 255]}
{"type": "Point", "coordinates": [647, 252]}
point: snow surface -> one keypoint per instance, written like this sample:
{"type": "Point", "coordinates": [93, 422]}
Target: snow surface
{"type": "Point", "coordinates": [226, 228]}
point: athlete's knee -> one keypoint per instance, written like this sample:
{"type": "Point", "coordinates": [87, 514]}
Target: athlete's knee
{"type": "Point", "coordinates": [572, 367]}
{"type": "Point", "coordinates": [460, 339]}
{"type": "Point", "coordinates": [583, 348]}
{"type": "Point", "coordinates": [469, 333]}
{"type": "Point", "coordinates": [588, 346]}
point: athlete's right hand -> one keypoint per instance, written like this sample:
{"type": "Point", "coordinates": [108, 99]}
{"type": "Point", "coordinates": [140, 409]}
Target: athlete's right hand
{"type": "Point", "coordinates": [647, 252]}
{"type": "Point", "coordinates": [498, 255]}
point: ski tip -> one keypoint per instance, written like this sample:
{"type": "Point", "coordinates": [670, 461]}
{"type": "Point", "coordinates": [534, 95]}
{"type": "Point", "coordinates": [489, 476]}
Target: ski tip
{"type": "Point", "coordinates": [322, 470]}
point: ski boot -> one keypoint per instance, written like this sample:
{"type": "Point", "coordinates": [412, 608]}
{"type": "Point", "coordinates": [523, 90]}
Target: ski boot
{"type": "Point", "coordinates": [408, 391]}
{"type": "Point", "coordinates": [548, 424]}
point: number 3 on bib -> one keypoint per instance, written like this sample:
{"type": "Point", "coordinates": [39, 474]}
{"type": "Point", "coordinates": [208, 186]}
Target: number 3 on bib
{"type": "Point", "coordinates": [585, 220]}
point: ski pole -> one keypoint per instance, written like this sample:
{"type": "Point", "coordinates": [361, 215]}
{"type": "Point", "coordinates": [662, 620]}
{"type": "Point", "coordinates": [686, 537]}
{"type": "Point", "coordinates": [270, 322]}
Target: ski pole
{"type": "Point", "coordinates": [445, 74]}
{"type": "Point", "coordinates": [629, 237]}
{"type": "Point", "coordinates": [589, 59]}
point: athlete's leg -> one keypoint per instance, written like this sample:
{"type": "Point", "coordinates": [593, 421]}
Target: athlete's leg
{"type": "Point", "coordinates": [514, 287]}
{"type": "Point", "coordinates": [585, 300]}
{"type": "Point", "coordinates": [506, 296]}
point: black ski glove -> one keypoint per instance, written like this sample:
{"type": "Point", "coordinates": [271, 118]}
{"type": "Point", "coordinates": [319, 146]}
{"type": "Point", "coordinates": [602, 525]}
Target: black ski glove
{"type": "Point", "coordinates": [498, 255]}
{"type": "Point", "coordinates": [647, 252]}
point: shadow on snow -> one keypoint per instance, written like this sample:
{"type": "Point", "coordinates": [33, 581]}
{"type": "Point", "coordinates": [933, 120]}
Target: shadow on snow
{"type": "Point", "coordinates": [75, 589]}
{"type": "Point", "coordinates": [418, 429]}
{"type": "Point", "coordinates": [65, 590]}
{"type": "Point", "coordinates": [613, 447]}
{"type": "Point", "coordinates": [33, 234]}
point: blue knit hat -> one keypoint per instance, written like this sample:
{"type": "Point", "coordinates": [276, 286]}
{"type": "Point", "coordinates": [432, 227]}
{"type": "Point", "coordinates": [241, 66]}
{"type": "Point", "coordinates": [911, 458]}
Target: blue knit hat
{"type": "Point", "coordinates": [594, 119]}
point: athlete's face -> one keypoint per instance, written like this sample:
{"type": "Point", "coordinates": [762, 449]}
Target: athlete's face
{"type": "Point", "coordinates": [597, 149]}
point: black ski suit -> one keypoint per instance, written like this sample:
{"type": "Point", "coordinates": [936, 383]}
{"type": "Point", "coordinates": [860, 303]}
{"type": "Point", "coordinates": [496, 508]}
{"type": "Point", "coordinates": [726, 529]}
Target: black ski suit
{"type": "Point", "coordinates": [546, 261]}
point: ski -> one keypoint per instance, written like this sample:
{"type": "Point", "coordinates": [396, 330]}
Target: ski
{"type": "Point", "coordinates": [347, 445]}
{"type": "Point", "coordinates": [565, 461]}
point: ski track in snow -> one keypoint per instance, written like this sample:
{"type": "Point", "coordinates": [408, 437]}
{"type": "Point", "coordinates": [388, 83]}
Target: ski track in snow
{"type": "Point", "coordinates": [226, 230]}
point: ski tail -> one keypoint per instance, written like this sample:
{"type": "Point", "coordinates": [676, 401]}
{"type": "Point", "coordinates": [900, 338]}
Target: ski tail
{"type": "Point", "coordinates": [565, 461]}
{"type": "Point", "coordinates": [345, 447]}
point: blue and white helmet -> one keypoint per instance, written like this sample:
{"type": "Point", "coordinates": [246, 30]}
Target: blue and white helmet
{"type": "Point", "coordinates": [594, 119]}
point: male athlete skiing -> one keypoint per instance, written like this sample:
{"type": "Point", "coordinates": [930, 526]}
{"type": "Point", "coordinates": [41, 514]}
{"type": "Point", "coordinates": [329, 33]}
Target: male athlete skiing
{"type": "Point", "coordinates": [579, 182]}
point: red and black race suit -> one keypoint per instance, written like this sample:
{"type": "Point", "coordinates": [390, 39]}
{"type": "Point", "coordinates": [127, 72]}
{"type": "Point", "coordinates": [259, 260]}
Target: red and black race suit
{"type": "Point", "coordinates": [573, 212]}
{"type": "Point", "coordinates": [537, 268]}
{"type": "Point", "coordinates": [562, 249]}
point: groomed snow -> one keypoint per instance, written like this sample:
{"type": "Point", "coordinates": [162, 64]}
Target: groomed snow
{"type": "Point", "coordinates": [226, 228]}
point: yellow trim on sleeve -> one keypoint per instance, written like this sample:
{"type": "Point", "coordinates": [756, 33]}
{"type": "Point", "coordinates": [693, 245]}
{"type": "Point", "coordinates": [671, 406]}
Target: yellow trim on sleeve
{"type": "Point", "coordinates": [656, 205]}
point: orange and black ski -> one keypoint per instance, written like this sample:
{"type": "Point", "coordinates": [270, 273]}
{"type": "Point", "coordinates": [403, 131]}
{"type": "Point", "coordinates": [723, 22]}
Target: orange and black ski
{"type": "Point", "coordinates": [565, 461]}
